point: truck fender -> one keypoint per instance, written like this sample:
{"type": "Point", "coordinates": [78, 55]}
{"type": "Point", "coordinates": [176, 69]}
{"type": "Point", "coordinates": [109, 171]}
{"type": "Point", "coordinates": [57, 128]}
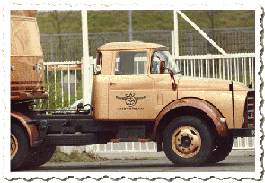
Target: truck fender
{"type": "Point", "coordinates": [202, 105]}
{"type": "Point", "coordinates": [30, 128]}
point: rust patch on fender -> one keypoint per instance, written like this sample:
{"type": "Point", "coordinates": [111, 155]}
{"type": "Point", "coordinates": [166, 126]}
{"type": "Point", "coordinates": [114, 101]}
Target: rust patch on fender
{"type": "Point", "coordinates": [31, 129]}
{"type": "Point", "coordinates": [203, 105]}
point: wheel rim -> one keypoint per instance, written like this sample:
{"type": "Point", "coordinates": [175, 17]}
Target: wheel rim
{"type": "Point", "coordinates": [14, 146]}
{"type": "Point", "coordinates": [186, 141]}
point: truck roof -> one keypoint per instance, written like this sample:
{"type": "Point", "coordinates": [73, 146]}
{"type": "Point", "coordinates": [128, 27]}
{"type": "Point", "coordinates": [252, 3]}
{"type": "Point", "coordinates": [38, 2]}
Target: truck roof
{"type": "Point", "coordinates": [129, 45]}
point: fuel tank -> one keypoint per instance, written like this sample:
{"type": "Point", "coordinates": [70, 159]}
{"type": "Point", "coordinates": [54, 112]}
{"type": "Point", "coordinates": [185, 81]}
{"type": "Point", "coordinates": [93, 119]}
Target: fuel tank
{"type": "Point", "coordinates": [27, 76]}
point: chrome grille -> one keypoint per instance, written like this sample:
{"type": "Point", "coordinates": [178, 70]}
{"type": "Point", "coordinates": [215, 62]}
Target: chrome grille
{"type": "Point", "coordinates": [251, 109]}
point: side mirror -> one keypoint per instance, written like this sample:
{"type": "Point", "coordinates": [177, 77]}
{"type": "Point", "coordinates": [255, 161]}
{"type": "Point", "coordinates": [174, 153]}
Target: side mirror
{"type": "Point", "coordinates": [98, 69]}
{"type": "Point", "coordinates": [162, 67]}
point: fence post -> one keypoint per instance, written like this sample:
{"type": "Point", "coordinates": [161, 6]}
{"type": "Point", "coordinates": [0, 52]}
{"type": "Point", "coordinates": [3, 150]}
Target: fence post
{"type": "Point", "coordinates": [235, 69]}
{"type": "Point", "coordinates": [230, 63]}
{"type": "Point", "coordinates": [220, 70]}
{"type": "Point", "coordinates": [223, 69]}
{"type": "Point", "coordinates": [253, 71]}
{"type": "Point", "coordinates": [75, 87]}
{"type": "Point", "coordinates": [62, 88]}
{"type": "Point", "coordinates": [201, 68]}
{"type": "Point", "coordinates": [48, 88]}
{"type": "Point", "coordinates": [250, 73]}
{"type": "Point", "coordinates": [69, 86]}
{"type": "Point", "coordinates": [213, 68]}
{"type": "Point", "coordinates": [245, 71]}
{"type": "Point", "coordinates": [176, 34]}
{"type": "Point", "coordinates": [227, 65]}
{"type": "Point", "coordinates": [55, 76]}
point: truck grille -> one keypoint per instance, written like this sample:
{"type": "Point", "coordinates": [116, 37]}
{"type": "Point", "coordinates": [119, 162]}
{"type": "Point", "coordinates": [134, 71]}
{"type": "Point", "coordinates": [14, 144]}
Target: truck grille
{"type": "Point", "coordinates": [249, 113]}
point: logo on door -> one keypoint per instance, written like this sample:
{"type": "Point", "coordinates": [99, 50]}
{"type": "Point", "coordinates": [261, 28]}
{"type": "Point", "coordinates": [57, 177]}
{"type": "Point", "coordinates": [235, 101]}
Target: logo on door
{"type": "Point", "coordinates": [130, 99]}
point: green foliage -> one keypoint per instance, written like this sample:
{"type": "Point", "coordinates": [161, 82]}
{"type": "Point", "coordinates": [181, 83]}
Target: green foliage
{"type": "Point", "coordinates": [51, 22]}
{"type": "Point", "coordinates": [75, 156]}
{"type": "Point", "coordinates": [56, 100]}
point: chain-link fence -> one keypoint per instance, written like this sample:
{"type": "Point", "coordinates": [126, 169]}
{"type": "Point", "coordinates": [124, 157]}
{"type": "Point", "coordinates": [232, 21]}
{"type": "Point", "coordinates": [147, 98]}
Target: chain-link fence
{"type": "Point", "coordinates": [68, 47]}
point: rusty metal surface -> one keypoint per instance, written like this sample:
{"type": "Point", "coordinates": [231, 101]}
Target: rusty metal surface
{"type": "Point", "coordinates": [26, 56]}
{"type": "Point", "coordinates": [31, 129]}
{"type": "Point", "coordinates": [202, 105]}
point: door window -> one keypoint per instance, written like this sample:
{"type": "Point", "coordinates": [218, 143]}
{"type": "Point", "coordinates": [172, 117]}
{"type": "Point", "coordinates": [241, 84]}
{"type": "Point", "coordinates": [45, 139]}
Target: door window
{"type": "Point", "coordinates": [163, 55]}
{"type": "Point", "coordinates": [128, 63]}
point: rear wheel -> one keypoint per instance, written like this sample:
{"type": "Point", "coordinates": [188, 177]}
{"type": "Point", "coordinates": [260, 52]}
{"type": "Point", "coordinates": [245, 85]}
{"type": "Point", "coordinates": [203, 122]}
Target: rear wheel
{"type": "Point", "coordinates": [19, 146]}
{"type": "Point", "coordinates": [188, 141]}
{"type": "Point", "coordinates": [38, 157]}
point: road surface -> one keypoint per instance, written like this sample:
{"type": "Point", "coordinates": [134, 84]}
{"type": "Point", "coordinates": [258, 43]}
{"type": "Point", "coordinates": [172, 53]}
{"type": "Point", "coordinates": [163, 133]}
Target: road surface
{"type": "Point", "coordinates": [158, 164]}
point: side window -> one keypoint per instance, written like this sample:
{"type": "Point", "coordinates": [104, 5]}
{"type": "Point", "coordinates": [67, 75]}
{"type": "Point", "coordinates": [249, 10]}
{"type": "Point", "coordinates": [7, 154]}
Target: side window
{"type": "Point", "coordinates": [130, 63]}
{"type": "Point", "coordinates": [155, 65]}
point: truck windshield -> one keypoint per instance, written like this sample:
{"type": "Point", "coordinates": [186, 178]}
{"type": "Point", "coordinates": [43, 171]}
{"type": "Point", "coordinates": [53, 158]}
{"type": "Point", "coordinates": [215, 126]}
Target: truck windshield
{"type": "Point", "coordinates": [163, 55]}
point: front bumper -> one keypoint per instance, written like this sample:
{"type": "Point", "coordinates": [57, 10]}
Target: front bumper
{"type": "Point", "coordinates": [242, 132]}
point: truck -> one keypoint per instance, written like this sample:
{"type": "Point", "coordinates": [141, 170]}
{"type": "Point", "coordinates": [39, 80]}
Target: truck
{"type": "Point", "coordinates": [139, 95]}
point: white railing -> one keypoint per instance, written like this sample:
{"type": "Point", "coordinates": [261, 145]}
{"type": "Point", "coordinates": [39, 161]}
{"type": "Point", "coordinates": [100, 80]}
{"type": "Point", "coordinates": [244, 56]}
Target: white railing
{"type": "Point", "coordinates": [53, 67]}
{"type": "Point", "coordinates": [244, 143]}
{"type": "Point", "coordinates": [123, 147]}
{"type": "Point", "coordinates": [236, 67]}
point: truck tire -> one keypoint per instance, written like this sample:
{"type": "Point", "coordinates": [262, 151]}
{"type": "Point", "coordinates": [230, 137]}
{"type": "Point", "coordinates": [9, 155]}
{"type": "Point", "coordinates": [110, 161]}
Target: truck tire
{"type": "Point", "coordinates": [223, 147]}
{"type": "Point", "coordinates": [188, 141]}
{"type": "Point", "coordinates": [37, 157]}
{"type": "Point", "coordinates": [19, 146]}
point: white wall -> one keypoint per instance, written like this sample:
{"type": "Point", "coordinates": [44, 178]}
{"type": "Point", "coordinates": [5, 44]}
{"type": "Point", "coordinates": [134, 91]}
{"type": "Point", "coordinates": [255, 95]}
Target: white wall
{"type": "Point", "coordinates": [247, 143]}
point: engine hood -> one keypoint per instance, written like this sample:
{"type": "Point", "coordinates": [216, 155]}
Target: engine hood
{"type": "Point", "coordinates": [207, 84]}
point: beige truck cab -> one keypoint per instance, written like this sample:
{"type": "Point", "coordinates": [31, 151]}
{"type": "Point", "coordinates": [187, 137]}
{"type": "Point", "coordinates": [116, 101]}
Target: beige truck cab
{"type": "Point", "coordinates": [192, 116]}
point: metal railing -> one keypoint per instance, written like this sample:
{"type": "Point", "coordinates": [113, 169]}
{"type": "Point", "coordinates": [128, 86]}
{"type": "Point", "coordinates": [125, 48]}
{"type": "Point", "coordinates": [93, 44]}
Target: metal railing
{"type": "Point", "coordinates": [62, 80]}
{"type": "Point", "coordinates": [236, 67]}
{"type": "Point", "coordinates": [69, 46]}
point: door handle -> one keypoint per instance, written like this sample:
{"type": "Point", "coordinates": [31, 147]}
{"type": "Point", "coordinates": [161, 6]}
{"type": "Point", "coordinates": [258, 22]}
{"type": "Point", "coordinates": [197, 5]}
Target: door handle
{"type": "Point", "coordinates": [112, 83]}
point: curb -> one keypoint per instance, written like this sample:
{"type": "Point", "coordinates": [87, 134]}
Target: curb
{"type": "Point", "coordinates": [240, 152]}
{"type": "Point", "coordinates": [131, 155]}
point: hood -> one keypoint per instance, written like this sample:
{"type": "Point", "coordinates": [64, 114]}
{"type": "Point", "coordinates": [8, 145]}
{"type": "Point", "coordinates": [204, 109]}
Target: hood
{"type": "Point", "coordinates": [239, 86]}
{"type": "Point", "coordinates": [210, 84]}
{"type": "Point", "coordinates": [197, 83]}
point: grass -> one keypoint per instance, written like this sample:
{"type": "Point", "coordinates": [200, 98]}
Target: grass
{"type": "Point", "coordinates": [75, 156]}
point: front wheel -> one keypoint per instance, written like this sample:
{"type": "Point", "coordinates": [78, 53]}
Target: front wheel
{"type": "Point", "coordinates": [223, 146]}
{"type": "Point", "coordinates": [19, 146]}
{"type": "Point", "coordinates": [188, 141]}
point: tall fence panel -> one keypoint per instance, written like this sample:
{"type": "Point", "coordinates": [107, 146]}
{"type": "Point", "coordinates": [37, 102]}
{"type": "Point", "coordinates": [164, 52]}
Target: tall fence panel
{"type": "Point", "coordinates": [60, 47]}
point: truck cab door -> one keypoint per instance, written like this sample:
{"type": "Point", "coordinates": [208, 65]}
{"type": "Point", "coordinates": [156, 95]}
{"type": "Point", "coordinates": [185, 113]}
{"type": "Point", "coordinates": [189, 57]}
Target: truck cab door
{"type": "Point", "coordinates": [131, 90]}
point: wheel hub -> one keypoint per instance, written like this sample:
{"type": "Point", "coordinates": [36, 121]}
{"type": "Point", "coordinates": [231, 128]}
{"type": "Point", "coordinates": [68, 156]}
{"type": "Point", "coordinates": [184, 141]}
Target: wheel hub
{"type": "Point", "coordinates": [186, 141]}
{"type": "Point", "coordinates": [14, 146]}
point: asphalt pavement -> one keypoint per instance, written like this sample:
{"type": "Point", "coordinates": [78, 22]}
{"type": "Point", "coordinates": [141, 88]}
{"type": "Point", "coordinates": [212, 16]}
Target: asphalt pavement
{"type": "Point", "coordinates": [158, 164]}
{"type": "Point", "coordinates": [131, 155]}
